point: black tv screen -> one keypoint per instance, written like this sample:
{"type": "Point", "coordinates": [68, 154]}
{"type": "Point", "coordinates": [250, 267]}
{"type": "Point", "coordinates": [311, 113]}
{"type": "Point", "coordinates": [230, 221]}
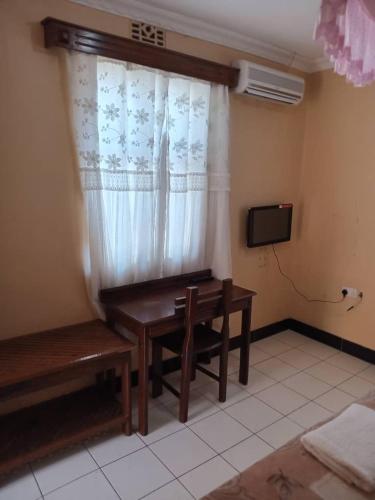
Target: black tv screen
{"type": "Point", "coordinates": [270, 224]}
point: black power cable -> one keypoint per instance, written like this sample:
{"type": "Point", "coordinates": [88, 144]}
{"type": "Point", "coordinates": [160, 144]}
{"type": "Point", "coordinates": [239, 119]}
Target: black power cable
{"type": "Point", "coordinates": [298, 291]}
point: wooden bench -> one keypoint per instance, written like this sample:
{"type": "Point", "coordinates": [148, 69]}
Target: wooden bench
{"type": "Point", "coordinates": [41, 360]}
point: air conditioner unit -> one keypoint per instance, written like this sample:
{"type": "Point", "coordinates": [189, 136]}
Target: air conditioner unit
{"type": "Point", "coordinates": [267, 83]}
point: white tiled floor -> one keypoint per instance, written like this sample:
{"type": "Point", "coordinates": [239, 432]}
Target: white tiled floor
{"type": "Point", "coordinates": [294, 383]}
{"type": "Point", "coordinates": [282, 398]}
{"type": "Point", "coordinates": [247, 453]}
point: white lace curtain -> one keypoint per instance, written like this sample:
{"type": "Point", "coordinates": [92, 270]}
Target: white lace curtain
{"type": "Point", "coordinates": [153, 158]}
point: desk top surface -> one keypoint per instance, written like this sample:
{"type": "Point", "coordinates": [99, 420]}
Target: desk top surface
{"type": "Point", "coordinates": [149, 306]}
{"type": "Point", "coordinates": [38, 354]}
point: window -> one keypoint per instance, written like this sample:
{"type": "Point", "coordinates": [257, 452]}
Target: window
{"type": "Point", "coordinates": [145, 139]}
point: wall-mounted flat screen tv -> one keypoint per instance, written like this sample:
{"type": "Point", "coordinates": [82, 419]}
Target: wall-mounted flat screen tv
{"type": "Point", "coordinates": [269, 224]}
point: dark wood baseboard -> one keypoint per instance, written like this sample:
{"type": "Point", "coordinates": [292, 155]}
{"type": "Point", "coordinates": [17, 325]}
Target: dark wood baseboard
{"type": "Point", "coordinates": [173, 364]}
{"type": "Point", "coordinates": [314, 333]}
{"type": "Point", "coordinates": [261, 333]}
{"type": "Point", "coordinates": [332, 340]}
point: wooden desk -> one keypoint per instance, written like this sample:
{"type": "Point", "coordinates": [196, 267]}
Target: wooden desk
{"type": "Point", "coordinates": [147, 309]}
{"type": "Point", "coordinates": [44, 359]}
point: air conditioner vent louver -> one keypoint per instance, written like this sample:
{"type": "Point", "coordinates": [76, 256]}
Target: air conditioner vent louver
{"type": "Point", "coordinates": [266, 83]}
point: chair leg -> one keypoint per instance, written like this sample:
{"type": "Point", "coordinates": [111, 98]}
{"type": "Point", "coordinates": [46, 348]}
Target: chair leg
{"type": "Point", "coordinates": [186, 365]}
{"type": "Point", "coordinates": [157, 364]}
{"type": "Point", "coordinates": [193, 369]}
{"type": "Point", "coordinates": [223, 371]}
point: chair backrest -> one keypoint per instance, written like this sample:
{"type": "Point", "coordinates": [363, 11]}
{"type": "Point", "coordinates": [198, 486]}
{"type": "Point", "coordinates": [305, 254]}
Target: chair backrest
{"type": "Point", "coordinates": [205, 306]}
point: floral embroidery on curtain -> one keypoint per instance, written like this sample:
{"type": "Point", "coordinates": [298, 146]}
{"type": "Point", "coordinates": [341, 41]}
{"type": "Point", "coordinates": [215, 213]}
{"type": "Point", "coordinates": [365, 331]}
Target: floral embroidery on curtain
{"type": "Point", "coordinates": [152, 149]}
{"type": "Point", "coordinates": [133, 111]}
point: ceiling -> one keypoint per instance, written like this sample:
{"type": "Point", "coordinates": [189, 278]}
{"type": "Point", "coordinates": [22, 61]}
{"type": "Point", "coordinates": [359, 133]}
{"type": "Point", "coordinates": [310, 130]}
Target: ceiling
{"type": "Point", "coordinates": [280, 30]}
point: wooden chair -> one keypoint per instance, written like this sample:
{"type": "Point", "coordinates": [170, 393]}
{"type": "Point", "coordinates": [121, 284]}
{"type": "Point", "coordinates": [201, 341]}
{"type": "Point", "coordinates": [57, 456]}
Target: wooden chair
{"type": "Point", "coordinates": [197, 337]}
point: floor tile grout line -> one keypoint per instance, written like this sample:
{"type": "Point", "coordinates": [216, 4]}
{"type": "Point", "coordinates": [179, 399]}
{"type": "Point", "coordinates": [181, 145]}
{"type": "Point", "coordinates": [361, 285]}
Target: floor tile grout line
{"type": "Point", "coordinates": [276, 381]}
{"type": "Point", "coordinates": [227, 461]}
{"type": "Point", "coordinates": [328, 363]}
{"type": "Point", "coordinates": [106, 478]}
{"type": "Point", "coordinates": [314, 400]}
{"type": "Point", "coordinates": [216, 453]}
{"type": "Point", "coordinates": [360, 371]}
{"type": "Point", "coordinates": [285, 362]}
{"type": "Point", "coordinates": [261, 390]}
{"type": "Point", "coordinates": [198, 389]}
{"type": "Point", "coordinates": [279, 420]}
{"type": "Point", "coordinates": [232, 446]}
{"type": "Point", "coordinates": [190, 470]}
{"type": "Point", "coordinates": [252, 435]}
{"type": "Point", "coordinates": [167, 435]}
{"type": "Point", "coordinates": [228, 415]}
{"type": "Point", "coordinates": [366, 379]}
{"type": "Point", "coordinates": [212, 458]}
{"type": "Point", "coordinates": [230, 404]}
{"type": "Point", "coordinates": [157, 489]}
{"type": "Point", "coordinates": [110, 482]}
{"type": "Point", "coordinates": [35, 479]}
{"type": "Point", "coordinates": [166, 484]}
{"type": "Point", "coordinates": [349, 393]}
{"type": "Point", "coordinates": [190, 493]}
{"type": "Point", "coordinates": [326, 392]}
{"type": "Point", "coordinates": [120, 458]}
{"type": "Point", "coordinates": [203, 418]}
{"type": "Point", "coordinates": [70, 482]}
{"type": "Point", "coordinates": [192, 390]}
{"type": "Point", "coordinates": [304, 371]}
{"type": "Point", "coordinates": [309, 400]}
{"type": "Point", "coordinates": [213, 449]}
{"type": "Point", "coordinates": [296, 368]}
{"type": "Point", "coordinates": [259, 400]}
{"type": "Point", "coordinates": [186, 426]}
{"type": "Point", "coordinates": [197, 466]}
{"type": "Point", "coordinates": [161, 461]}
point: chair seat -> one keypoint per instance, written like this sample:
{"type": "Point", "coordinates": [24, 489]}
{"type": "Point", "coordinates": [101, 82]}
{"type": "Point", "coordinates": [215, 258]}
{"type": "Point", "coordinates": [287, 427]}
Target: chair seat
{"type": "Point", "coordinates": [205, 339]}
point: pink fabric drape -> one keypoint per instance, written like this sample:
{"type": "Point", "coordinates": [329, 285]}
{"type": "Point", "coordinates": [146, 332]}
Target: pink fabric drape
{"type": "Point", "coordinates": [347, 28]}
{"type": "Point", "coordinates": [369, 6]}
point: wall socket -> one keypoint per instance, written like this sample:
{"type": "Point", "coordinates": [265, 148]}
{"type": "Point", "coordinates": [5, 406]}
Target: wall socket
{"type": "Point", "coordinates": [352, 292]}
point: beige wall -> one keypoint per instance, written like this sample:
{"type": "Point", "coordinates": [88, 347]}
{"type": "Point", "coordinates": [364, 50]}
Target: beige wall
{"type": "Point", "coordinates": [326, 169]}
{"type": "Point", "coordinates": [335, 244]}
{"type": "Point", "coordinates": [42, 284]}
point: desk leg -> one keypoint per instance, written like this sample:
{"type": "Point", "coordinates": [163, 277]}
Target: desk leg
{"type": "Point", "coordinates": [245, 345]}
{"type": "Point", "coordinates": [143, 348]}
{"type": "Point", "coordinates": [126, 395]}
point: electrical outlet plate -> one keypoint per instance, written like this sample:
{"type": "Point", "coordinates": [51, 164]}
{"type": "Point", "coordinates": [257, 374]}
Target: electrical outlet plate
{"type": "Point", "coordinates": [352, 292]}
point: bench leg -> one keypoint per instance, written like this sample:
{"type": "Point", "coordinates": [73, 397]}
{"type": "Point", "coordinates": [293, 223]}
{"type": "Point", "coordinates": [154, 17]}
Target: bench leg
{"type": "Point", "coordinates": [157, 369]}
{"type": "Point", "coordinates": [100, 380]}
{"type": "Point", "coordinates": [126, 396]}
{"type": "Point", "coordinates": [111, 377]}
